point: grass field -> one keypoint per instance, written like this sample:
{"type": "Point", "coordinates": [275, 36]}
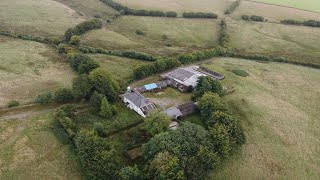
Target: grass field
{"type": "Point", "coordinates": [272, 13]}
{"type": "Point", "coordinates": [28, 68]}
{"type": "Point", "coordinates": [45, 17]}
{"type": "Point", "coordinates": [311, 5]}
{"type": "Point", "coordinates": [165, 37]}
{"type": "Point", "coordinates": [278, 106]}
{"type": "Point", "coordinates": [296, 42]}
{"type": "Point", "coordinates": [180, 6]}
{"type": "Point", "coordinates": [34, 147]}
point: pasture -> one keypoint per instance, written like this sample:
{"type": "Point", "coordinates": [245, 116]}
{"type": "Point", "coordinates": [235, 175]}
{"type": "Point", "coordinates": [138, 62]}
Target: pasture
{"type": "Point", "coordinates": [34, 147]}
{"type": "Point", "coordinates": [45, 17]}
{"type": "Point", "coordinates": [216, 6]}
{"type": "Point", "coordinates": [273, 13]}
{"type": "Point", "coordinates": [277, 105]}
{"type": "Point", "coordinates": [310, 5]}
{"type": "Point", "coordinates": [166, 37]}
{"type": "Point", "coordinates": [28, 68]}
{"type": "Point", "coordinates": [296, 42]}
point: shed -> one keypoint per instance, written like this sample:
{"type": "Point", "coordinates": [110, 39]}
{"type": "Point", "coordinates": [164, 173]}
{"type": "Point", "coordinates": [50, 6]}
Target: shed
{"type": "Point", "coordinates": [173, 113]}
{"type": "Point", "coordinates": [151, 86]}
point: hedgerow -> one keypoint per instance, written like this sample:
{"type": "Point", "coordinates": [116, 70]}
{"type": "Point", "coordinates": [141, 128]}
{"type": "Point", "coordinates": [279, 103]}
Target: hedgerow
{"type": "Point", "coordinates": [310, 23]}
{"type": "Point", "coordinates": [128, 54]}
{"type": "Point", "coordinates": [138, 12]}
{"type": "Point", "coordinates": [253, 18]}
{"type": "Point", "coordinates": [199, 15]}
{"type": "Point", "coordinates": [232, 7]}
{"type": "Point", "coordinates": [82, 28]}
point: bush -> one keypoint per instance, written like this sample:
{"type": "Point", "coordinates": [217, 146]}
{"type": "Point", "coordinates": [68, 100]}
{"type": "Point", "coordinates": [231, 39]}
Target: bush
{"type": "Point", "coordinates": [44, 98]}
{"type": "Point", "coordinates": [13, 103]}
{"type": "Point", "coordinates": [139, 32]}
{"type": "Point", "coordinates": [105, 108]}
{"type": "Point", "coordinates": [95, 101]}
{"type": "Point", "coordinates": [256, 18]}
{"type": "Point", "coordinates": [245, 17]}
{"type": "Point", "coordinates": [240, 72]}
{"type": "Point", "coordinates": [199, 15]}
{"type": "Point", "coordinates": [75, 40]}
{"type": "Point", "coordinates": [63, 95]}
{"type": "Point", "coordinates": [82, 64]}
{"type": "Point", "coordinates": [171, 14]}
{"type": "Point", "coordinates": [233, 6]}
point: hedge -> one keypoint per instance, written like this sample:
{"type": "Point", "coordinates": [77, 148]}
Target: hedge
{"type": "Point", "coordinates": [127, 54]}
{"type": "Point", "coordinates": [233, 6]}
{"type": "Point", "coordinates": [252, 18]}
{"type": "Point", "coordinates": [200, 15]}
{"type": "Point", "coordinates": [310, 23]}
{"type": "Point", "coordinates": [224, 39]}
{"type": "Point", "coordinates": [82, 28]}
{"type": "Point", "coordinates": [64, 116]}
{"type": "Point", "coordinates": [47, 40]}
{"type": "Point", "coordinates": [138, 12]}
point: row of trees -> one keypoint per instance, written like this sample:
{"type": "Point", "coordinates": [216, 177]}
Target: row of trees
{"type": "Point", "coordinates": [232, 7]}
{"type": "Point", "coordinates": [47, 40]}
{"type": "Point", "coordinates": [224, 39]}
{"type": "Point", "coordinates": [82, 28]}
{"type": "Point", "coordinates": [128, 54]}
{"type": "Point", "coordinates": [138, 12]}
{"type": "Point", "coordinates": [252, 18]}
{"type": "Point", "coordinates": [311, 23]}
{"type": "Point", "coordinates": [200, 15]}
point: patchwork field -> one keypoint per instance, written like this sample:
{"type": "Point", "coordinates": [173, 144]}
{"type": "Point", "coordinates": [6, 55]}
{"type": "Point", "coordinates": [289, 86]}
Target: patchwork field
{"type": "Point", "coordinates": [296, 42]}
{"type": "Point", "coordinates": [273, 13]}
{"type": "Point", "coordinates": [167, 36]}
{"type": "Point", "coordinates": [277, 104]}
{"type": "Point", "coordinates": [45, 17]}
{"type": "Point", "coordinates": [311, 5]}
{"type": "Point", "coordinates": [216, 6]}
{"type": "Point", "coordinates": [33, 147]}
{"type": "Point", "coordinates": [28, 68]}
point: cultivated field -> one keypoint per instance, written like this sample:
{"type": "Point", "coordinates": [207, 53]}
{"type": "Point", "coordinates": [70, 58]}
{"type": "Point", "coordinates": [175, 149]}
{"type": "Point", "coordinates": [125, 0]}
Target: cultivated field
{"type": "Point", "coordinates": [272, 13]}
{"type": "Point", "coordinates": [167, 36]}
{"type": "Point", "coordinates": [216, 6]}
{"type": "Point", "coordinates": [296, 42]}
{"type": "Point", "coordinates": [45, 17]}
{"type": "Point", "coordinates": [311, 5]}
{"type": "Point", "coordinates": [33, 147]}
{"type": "Point", "coordinates": [28, 68]}
{"type": "Point", "coordinates": [277, 104]}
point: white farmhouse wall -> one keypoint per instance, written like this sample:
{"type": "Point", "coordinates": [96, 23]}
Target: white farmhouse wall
{"type": "Point", "coordinates": [134, 107]}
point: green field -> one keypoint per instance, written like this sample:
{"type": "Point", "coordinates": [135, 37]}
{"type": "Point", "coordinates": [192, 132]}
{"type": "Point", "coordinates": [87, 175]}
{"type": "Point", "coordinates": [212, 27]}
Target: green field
{"type": "Point", "coordinates": [296, 42]}
{"type": "Point", "coordinates": [311, 5]}
{"type": "Point", "coordinates": [272, 13]}
{"type": "Point", "coordinates": [28, 68]}
{"type": "Point", "coordinates": [277, 104]}
{"type": "Point", "coordinates": [33, 147]}
{"type": "Point", "coordinates": [167, 36]}
{"type": "Point", "coordinates": [216, 6]}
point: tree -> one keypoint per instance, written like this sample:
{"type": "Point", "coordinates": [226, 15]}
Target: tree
{"type": "Point", "coordinates": [82, 64]}
{"type": "Point", "coordinates": [95, 101]}
{"type": "Point", "coordinates": [130, 173]}
{"type": "Point", "coordinates": [165, 166]}
{"type": "Point", "coordinates": [75, 40]}
{"type": "Point", "coordinates": [209, 103]}
{"type": "Point", "coordinates": [105, 108]}
{"type": "Point", "coordinates": [63, 95]}
{"type": "Point", "coordinates": [44, 98]}
{"type": "Point", "coordinates": [103, 83]}
{"type": "Point", "coordinates": [191, 144]}
{"type": "Point", "coordinates": [97, 157]}
{"type": "Point", "coordinates": [82, 86]}
{"type": "Point", "coordinates": [207, 84]}
{"type": "Point", "coordinates": [221, 140]}
{"type": "Point", "coordinates": [157, 123]}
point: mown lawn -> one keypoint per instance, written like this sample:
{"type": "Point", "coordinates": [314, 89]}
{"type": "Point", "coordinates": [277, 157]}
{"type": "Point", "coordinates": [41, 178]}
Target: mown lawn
{"type": "Point", "coordinates": [45, 17]}
{"type": "Point", "coordinates": [28, 68]}
{"type": "Point", "coordinates": [278, 107]}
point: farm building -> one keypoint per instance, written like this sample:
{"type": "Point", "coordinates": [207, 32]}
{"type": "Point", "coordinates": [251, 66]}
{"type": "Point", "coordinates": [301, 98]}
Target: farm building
{"type": "Point", "coordinates": [153, 86]}
{"type": "Point", "coordinates": [187, 77]}
{"type": "Point", "coordinates": [181, 110]}
{"type": "Point", "coordinates": [137, 102]}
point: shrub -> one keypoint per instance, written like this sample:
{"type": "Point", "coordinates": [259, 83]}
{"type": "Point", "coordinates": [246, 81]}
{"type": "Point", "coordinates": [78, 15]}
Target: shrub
{"type": "Point", "coordinates": [82, 64]}
{"type": "Point", "coordinates": [240, 72]}
{"type": "Point", "coordinates": [256, 18]}
{"type": "Point", "coordinates": [171, 14]}
{"type": "Point", "coordinates": [13, 103]}
{"type": "Point", "coordinates": [139, 32]}
{"type": "Point", "coordinates": [95, 101]}
{"type": "Point", "coordinates": [199, 15]}
{"type": "Point", "coordinates": [97, 16]}
{"type": "Point", "coordinates": [99, 128]}
{"type": "Point", "coordinates": [44, 98]}
{"type": "Point", "coordinates": [82, 86]}
{"type": "Point", "coordinates": [75, 40]}
{"type": "Point", "coordinates": [245, 17]}
{"type": "Point", "coordinates": [63, 95]}
{"type": "Point", "coordinates": [233, 6]}
{"type": "Point", "coordinates": [105, 108]}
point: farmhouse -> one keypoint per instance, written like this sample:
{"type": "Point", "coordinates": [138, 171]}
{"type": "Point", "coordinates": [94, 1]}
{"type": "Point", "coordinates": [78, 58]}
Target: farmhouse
{"type": "Point", "coordinates": [137, 102]}
{"type": "Point", "coordinates": [186, 78]}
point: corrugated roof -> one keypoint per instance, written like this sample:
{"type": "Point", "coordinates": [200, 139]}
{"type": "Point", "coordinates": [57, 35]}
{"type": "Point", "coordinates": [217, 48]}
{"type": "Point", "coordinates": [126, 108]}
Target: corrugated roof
{"type": "Point", "coordinates": [151, 86]}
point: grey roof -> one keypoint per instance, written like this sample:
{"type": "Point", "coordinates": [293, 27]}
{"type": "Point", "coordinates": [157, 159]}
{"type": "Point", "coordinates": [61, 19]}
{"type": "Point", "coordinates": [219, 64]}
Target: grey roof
{"type": "Point", "coordinates": [137, 99]}
{"type": "Point", "coordinates": [181, 74]}
{"type": "Point", "coordinates": [187, 108]}
{"type": "Point", "coordinates": [173, 112]}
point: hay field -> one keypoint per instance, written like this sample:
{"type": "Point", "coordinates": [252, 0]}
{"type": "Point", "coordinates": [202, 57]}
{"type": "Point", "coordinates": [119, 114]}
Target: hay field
{"type": "Point", "coordinates": [180, 6]}
{"type": "Point", "coordinates": [296, 42]}
{"type": "Point", "coordinates": [28, 68]}
{"type": "Point", "coordinates": [272, 13]}
{"type": "Point", "coordinates": [165, 37]}
{"type": "Point", "coordinates": [34, 147]}
{"type": "Point", "coordinates": [310, 5]}
{"type": "Point", "coordinates": [278, 106]}
{"type": "Point", "coordinates": [45, 17]}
